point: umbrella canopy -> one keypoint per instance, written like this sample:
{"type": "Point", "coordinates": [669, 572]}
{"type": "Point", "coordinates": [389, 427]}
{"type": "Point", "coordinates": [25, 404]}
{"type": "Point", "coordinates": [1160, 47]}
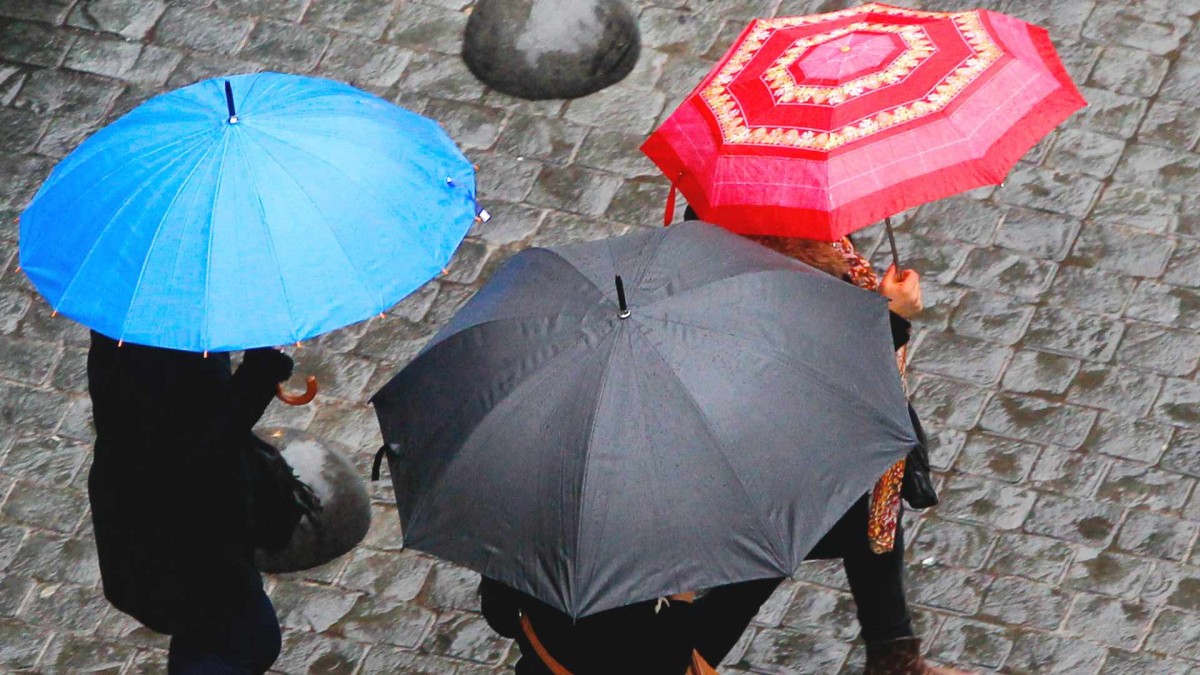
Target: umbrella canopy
{"type": "Point", "coordinates": [816, 126]}
{"type": "Point", "coordinates": [294, 206]}
{"type": "Point", "coordinates": [592, 457]}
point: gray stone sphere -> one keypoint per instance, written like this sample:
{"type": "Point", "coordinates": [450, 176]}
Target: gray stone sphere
{"type": "Point", "coordinates": [346, 509]}
{"type": "Point", "coordinates": [540, 49]}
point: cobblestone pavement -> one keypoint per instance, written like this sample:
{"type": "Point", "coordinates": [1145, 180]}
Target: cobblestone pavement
{"type": "Point", "coordinates": [1056, 364]}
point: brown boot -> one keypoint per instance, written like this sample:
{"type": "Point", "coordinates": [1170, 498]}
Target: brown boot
{"type": "Point", "coordinates": [902, 657]}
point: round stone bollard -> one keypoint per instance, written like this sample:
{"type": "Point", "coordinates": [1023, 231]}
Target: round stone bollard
{"type": "Point", "coordinates": [540, 49]}
{"type": "Point", "coordinates": [345, 507]}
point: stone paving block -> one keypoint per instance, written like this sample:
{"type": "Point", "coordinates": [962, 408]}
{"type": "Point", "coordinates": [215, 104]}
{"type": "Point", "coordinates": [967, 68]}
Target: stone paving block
{"type": "Point", "coordinates": [1162, 350]}
{"type": "Point", "coordinates": [1182, 79]}
{"type": "Point", "coordinates": [1120, 390]}
{"type": "Point", "coordinates": [473, 127]}
{"type": "Point", "coordinates": [1137, 485]}
{"type": "Point", "coordinates": [430, 72]}
{"type": "Point", "coordinates": [361, 61]}
{"type": "Point", "coordinates": [453, 587]}
{"type": "Point", "coordinates": [575, 190]}
{"type": "Point", "coordinates": [285, 45]}
{"type": "Point", "coordinates": [1071, 333]}
{"type": "Point", "coordinates": [35, 505]}
{"type": "Point", "coordinates": [991, 316]}
{"type": "Point", "coordinates": [1031, 419]}
{"type": "Point", "coordinates": [1108, 573]}
{"type": "Point", "coordinates": [19, 130]}
{"type": "Point", "coordinates": [997, 270]}
{"type": "Point", "coordinates": [1032, 557]}
{"type": "Point", "coordinates": [1171, 124]}
{"type": "Point", "coordinates": [110, 57]}
{"type": "Point", "coordinates": [1129, 71]}
{"type": "Point", "coordinates": [1079, 57]}
{"type": "Point", "coordinates": [566, 228]}
{"type": "Point", "coordinates": [601, 145]}
{"type": "Point", "coordinates": [674, 74]}
{"type": "Point", "coordinates": [1042, 373]}
{"type": "Point", "coordinates": [1039, 233]}
{"type": "Point", "coordinates": [366, 19]}
{"type": "Point", "coordinates": [971, 644]}
{"type": "Point", "coordinates": [34, 44]}
{"type": "Point", "coordinates": [132, 19]}
{"type": "Point", "coordinates": [638, 198]}
{"type": "Point", "coordinates": [1113, 622]}
{"type": "Point", "coordinates": [204, 30]}
{"type": "Point", "coordinates": [64, 92]}
{"type": "Point", "coordinates": [466, 636]}
{"type": "Point", "coordinates": [1183, 453]}
{"type": "Point", "coordinates": [950, 543]}
{"type": "Point", "coordinates": [1110, 112]}
{"type": "Point", "coordinates": [1138, 207]}
{"type": "Point", "coordinates": [1091, 289]}
{"type": "Point", "coordinates": [1120, 662]}
{"type": "Point", "coordinates": [47, 461]}
{"type": "Point", "coordinates": [401, 574]}
{"type": "Point", "coordinates": [422, 26]}
{"type": "Point", "coordinates": [1170, 169]}
{"type": "Point", "coordinates": [20, 645]}
{"type": "Point", "coordinates": [76, 654]}
{"type": "Point", "coordinates": [1179, 402]}
{"type": "Point", "coordinates": [1076, 520]}
{"type": "Point", "coordinates": [1184, 267]}
{"type": "Point", "coordinates": [1176, 633]}
{"type": "Point", "coordinates": [1174, 584]}
{"type": "Point", "coordinates": [1070, 473]}
{"type": "Point", "coordinates": [305, 652]}
{"type": "Point", "coordinates": [546, 139]}
{"type": "Point", "coordinates": [960, 357]}
{"type": "Point", "coordinates": [13, 591]}
{"type": "Point", "coordinates": [56, 558]}
{"type": "Point", "coordinates": [771, 613]}
{"type": "Point", "coordinates": [1155, 29]}
{"type": "Point", "coordinates": [1065, 19]}
{"type": "Point", "coordinates": [985, 502]}
{"type": "Point", "coordinates": [959, 218]}
{"type": "Point", "coordinates": [1086, 152]}
{"type": "Point", "coordinates": [48, 11]}
{"type": "Point", "coordinates": [944, 446]}
{"type": "Point", "coordinates": [382, 659]}
{"type": "Point", "coordinates": [312, 607]}
{"type": "Point", "coordinates": [1020, 602]}
{"type": "Point", "coordinates": [64, 607]}
{"type": "Point", "coordinates": [1163, 303]}
{"type": "Point", "coordinates": [813, 609]}
{"type": "Point", "coordinates": [997, 458]}
{"type": "Point", "coordinates": [776, 650]}
{"type": "Point", "coordinates": [1156, 535]}
{"type": "Point", "coordinates": [936, 260]}
{"type": "Point", "coordinates": [671, 30]}
{"type": "Point", "coordinates": [11, 537]}
{"type": "Point", "coordinates": [618, 107]}
{"type": "Point", "coordinates": [510, 223]}
{"type": "Point", "coordinates": [1048, 654]}
{"type": "Point", "coordinates": [195, 66]}
{"type": "Point", "coordinates": [383, 620]}
{"type": "Point", "coordinates": [29, 361]}
{"type": "Point", "coordinates": [288, 10]}
{"type": "Point", "coordinates": [1049, 190]}
{"type": "Point", "coordinates": [505, 178]}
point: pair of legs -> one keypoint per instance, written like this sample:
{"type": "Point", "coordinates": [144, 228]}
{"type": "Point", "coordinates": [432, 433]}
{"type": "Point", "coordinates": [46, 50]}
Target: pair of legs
{"type": "Point", "coordinates": [245, 643]}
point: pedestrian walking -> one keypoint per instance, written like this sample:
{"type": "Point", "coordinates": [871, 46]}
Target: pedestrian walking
{"type": "Point", "coordinates": [869, 538]}
{"type": "Point", "coordinates": [182, 492]}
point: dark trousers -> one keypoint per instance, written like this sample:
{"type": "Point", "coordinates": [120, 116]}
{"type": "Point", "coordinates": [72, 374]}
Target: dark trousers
{"type": "Point", "coordinates": [246, 644]}
{"type": "Point", "coordinates": [876, 580]}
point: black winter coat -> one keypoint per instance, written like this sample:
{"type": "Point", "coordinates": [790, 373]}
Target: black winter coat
{"type": "Point", "coordinates": [170, 482]}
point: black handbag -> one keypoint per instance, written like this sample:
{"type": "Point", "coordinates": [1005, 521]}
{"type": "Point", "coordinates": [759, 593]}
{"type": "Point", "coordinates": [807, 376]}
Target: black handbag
{"type": "Point", "coordinates": [280, 498]}
{"type": "Point", "coordinates": [917, 485]}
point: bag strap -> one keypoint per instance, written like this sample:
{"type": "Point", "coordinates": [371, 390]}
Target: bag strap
{"type": "Point", "coordinates": [540, 649]}
{"type": "Point", "coordinates": [700, 666]}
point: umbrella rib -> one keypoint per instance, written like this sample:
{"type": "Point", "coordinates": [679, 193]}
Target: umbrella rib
{"type": "Point", "coordinates": [262, 216]}
{"type": "Point", "coordinates": [104, 230]}
{"type": "Point", "coordinates": [157, 231]}
{"type": "Point", "coordinates": [368, 289]}
{"type": "Point", "coordinates": [712, 434]}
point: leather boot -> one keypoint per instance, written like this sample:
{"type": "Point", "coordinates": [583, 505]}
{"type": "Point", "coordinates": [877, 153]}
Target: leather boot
{"type": "Point", "coordinates": [902, 657]}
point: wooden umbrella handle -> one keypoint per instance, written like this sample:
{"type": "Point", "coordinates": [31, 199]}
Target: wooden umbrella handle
{"type": "Point", "coordinates": [310, 392]}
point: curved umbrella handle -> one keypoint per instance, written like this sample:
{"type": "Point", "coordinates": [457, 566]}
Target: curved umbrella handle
{"type": "Point", "coordinates": [310, 392]}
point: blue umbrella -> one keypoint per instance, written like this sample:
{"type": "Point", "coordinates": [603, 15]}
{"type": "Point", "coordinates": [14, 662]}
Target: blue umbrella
{"type": "Point", "coordinates": [247, 211]}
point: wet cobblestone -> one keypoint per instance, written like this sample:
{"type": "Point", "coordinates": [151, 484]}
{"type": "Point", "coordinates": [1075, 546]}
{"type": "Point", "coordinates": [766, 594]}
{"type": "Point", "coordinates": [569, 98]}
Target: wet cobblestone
{"type": "Point", "coordinates": [1055, 367]}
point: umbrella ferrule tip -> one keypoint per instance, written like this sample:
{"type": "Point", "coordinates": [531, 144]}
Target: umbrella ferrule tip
{"type": "Point", "coordinates": [623, 314]}
{"type": "Point", "coordinates": [233, 119]}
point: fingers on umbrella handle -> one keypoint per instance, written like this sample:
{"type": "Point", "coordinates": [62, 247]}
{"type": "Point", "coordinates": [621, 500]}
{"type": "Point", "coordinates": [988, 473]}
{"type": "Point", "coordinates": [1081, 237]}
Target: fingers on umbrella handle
{"type": "Point", "coordinates": [310, 392]}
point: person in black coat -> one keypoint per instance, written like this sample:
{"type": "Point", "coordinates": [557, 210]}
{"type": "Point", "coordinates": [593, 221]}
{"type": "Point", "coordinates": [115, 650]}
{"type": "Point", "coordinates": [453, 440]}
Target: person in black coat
{"type": "Point", "coordinates": [172, 499]}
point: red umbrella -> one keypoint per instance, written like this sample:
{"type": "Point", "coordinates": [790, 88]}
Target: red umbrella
{"type": "Point", "coordinates": [816, 126]}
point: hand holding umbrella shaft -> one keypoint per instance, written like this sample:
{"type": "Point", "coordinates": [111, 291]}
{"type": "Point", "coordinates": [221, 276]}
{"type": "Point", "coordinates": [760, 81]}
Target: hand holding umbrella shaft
{"type": "Point", "coordinates": [903, 290]}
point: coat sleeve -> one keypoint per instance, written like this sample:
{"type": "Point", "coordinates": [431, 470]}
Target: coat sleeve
{"type": "Point", "coordinates": [723, 614]}
{"type": "Point", "coordinates": [501, 607]}
{"type": "Point", "coordinates": [253, 385]}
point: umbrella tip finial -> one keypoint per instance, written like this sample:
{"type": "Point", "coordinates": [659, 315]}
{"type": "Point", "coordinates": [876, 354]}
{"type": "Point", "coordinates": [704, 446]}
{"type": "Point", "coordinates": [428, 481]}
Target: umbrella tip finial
{"type": "Point", "coordinates": [624, 313]}
{"type": "Point", "coordinates": [233, 119]}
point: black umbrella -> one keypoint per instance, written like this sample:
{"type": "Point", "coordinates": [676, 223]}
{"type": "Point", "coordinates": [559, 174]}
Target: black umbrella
{"type": "Point", "coordinates": [594, 453]}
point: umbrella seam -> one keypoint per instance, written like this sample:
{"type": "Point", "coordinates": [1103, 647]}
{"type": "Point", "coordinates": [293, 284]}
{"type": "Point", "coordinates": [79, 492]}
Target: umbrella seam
{"type": "Point", "coordinates": [104, 230]}
{"type": "Point", "coordinates": [212, 229]}
{"type": "Point", "coordinates": [157, 231]}
{"type": "Point", "coordinates": [369, 290]}
{"type": "Point", "coordinates": [721, 450]}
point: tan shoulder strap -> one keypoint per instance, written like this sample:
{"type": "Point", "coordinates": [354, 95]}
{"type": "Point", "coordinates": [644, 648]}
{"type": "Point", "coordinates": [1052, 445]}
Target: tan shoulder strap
{"type": "Point", "coordinates": [554, 666]}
